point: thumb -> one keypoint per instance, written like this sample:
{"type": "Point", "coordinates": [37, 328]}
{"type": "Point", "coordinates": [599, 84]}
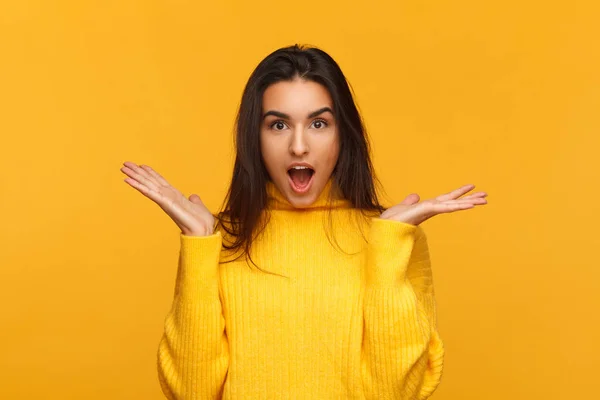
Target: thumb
{"type": "Point", "coordinates": [411, 199]}
{"type": "Point", "coordinates": [194, 198]}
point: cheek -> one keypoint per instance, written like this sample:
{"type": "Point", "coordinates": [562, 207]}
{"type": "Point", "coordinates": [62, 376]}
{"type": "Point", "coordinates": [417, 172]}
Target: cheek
{"type": "Point", "coordinates": [332, 151]}
{"type": "Point", "coordinates": [269, 150]}
{"type": "Point", "coordinates": [334, 155]}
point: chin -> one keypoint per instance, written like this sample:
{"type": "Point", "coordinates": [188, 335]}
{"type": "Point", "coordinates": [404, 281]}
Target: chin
{"type": "Point", "coordinates": [302, 203]}
{"type": "Point", "coordinates": [303, 200]}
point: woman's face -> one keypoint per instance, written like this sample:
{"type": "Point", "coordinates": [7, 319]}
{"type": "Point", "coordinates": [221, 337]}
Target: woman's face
{"type": "Point", "coordinates": [299, 139]}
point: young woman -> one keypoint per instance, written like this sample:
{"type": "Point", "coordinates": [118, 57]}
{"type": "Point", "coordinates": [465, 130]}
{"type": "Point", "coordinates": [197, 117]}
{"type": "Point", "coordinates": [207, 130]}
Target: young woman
{"type": "Point", "coordinates": [303, 286]}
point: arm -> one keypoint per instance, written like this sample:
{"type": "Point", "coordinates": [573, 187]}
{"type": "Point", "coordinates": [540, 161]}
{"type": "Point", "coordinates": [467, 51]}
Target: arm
{"type": "Point", "coordinates": [193, 355]}
{"type": "Point", "coordinates": [402, 354]}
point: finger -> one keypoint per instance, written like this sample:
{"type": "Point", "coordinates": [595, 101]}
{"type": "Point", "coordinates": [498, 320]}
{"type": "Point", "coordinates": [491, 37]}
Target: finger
{"type": "Point", "coordinates": [411, 199]}
{"type": "Point", "coordinates": [162, 181]}
{"type": "Point", "coordinates": [478, 194]}
{"type": "Point", "coordinates": [146, 191]}
{"type": "Point", "coordinates": [140, 178]}
{"type": "Point", "coordinates": [180, 218]}
{"type": "Point", "coordinates": [451, 207]}
{"type": "Point", "coordinates": [134, 167]}
{"type": "Point", "coordinates": [194, 198]}
{"type": "Point", "coordinates": [475, 200]}
{"type": "Point", "coordinates": [456, 193]}
{"type": "Point", "coordinates": [142, 172]}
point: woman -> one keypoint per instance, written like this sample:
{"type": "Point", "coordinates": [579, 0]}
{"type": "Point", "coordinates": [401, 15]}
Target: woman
{"type": "Point", "coordinates": [303, 286]}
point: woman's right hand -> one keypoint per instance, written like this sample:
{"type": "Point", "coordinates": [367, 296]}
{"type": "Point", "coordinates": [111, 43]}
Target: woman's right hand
{"type": "Point", "coordinates": [190, 215]}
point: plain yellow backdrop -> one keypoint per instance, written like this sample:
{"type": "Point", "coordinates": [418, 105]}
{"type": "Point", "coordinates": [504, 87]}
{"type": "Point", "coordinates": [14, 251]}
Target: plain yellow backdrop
{"type": "Point", "coordinates": [505, 95]}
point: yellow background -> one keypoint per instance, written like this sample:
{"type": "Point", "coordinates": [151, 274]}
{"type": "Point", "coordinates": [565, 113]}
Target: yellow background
{"type": "Point", "coordinates": [504, 95]}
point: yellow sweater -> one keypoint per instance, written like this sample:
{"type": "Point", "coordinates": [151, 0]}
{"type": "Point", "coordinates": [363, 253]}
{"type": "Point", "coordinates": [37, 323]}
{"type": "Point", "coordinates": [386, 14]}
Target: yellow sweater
{"type": "Point", "coordinates": [353, 325]}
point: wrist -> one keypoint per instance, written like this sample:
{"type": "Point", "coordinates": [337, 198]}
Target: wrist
{"type": "Point", "coordinates": [197, 232]}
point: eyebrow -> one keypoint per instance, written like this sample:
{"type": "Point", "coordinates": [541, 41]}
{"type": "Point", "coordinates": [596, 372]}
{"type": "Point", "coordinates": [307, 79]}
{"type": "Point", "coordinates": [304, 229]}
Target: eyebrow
{"type": "Point", "coordinates": [285, 116]}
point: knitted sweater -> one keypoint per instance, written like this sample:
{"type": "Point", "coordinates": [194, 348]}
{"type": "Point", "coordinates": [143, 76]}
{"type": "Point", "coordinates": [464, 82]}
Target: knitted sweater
{"type": "Point", "coordinates": [352, 317]}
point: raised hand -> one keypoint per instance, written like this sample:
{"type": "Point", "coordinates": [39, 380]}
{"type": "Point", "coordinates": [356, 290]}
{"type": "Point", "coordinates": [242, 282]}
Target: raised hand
{"type": "Point", "coordinates": [412, 212]}
{"type": "Point", "coordinates": [190, 215]}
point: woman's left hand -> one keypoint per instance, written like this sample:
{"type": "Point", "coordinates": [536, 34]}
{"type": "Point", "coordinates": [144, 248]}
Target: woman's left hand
{"type": "Point", "coordinates": [412, 212]}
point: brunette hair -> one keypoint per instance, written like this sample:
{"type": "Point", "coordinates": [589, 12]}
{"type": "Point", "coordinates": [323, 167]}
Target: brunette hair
{"type": "Point", "coordinates": [246, 199]}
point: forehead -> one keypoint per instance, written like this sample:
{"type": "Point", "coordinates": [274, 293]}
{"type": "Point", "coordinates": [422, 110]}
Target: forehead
{"type": "Point", "coordinates": [297, 96]}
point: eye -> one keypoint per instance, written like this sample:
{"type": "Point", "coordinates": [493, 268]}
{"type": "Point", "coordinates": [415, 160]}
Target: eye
{"type": "Point", "coordinates": [278, 125]}
{"type": "Point", "coordinates": [319, 124]}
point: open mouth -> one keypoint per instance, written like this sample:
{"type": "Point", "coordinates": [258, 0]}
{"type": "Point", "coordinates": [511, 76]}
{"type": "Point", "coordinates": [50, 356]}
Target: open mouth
{"type": "Point", "coordinates": [301, 178]}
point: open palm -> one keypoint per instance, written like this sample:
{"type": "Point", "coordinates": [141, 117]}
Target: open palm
{"type": "Point", "coordinates": [412, 212]}
{"type": "Point", "coordinates": [191, 215]}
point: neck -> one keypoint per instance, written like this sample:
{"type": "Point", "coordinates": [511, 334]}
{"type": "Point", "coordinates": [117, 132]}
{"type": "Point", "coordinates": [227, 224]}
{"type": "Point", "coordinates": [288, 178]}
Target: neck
{"type": "Point", "coordinates": [330, 197]}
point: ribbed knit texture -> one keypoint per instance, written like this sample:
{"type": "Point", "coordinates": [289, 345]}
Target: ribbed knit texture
{"type": "Point", "coordinates": [353, 325]}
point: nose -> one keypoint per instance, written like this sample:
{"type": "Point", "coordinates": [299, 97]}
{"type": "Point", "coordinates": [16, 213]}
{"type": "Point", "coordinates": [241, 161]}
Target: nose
{"type": "Point", "coordinates": [298, 143]}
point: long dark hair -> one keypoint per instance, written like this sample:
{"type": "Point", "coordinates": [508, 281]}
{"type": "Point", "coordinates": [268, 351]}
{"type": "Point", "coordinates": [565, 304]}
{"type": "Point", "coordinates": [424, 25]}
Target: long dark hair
{"type": "Point", "coordinates": [244, 205]}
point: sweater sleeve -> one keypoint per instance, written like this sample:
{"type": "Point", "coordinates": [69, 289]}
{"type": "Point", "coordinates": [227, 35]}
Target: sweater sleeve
{"type": "Point", "coordinates": [402, 353]}
{"type": "Point", "coordinates": [193, 354]}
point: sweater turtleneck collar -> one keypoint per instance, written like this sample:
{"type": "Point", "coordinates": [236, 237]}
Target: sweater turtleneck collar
{"type": "Point", "coordinates": [277, 201]}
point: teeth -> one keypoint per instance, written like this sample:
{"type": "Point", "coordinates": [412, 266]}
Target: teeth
{"type": "Point", "coordinates": [300, 167]}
